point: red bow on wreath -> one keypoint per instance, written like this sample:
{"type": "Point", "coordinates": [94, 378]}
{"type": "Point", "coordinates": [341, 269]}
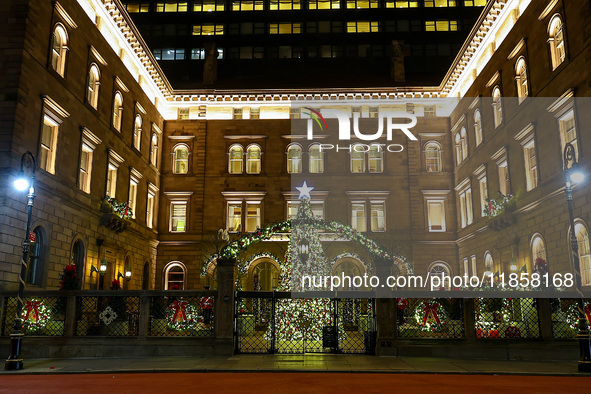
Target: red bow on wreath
{"type": "Point", "coordinates": [179, 307]}
{"type": "Point", "coordinates": [402, 302]}
{"type": "Point", "coordinates": [32, 311]}
{"type": "Point", "coordinates": [430, 309]}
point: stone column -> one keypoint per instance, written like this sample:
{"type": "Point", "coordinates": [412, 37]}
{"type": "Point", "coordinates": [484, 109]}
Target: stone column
{"type": "Point", "coordinates": [224, 302]}
{"type": "Point", "coordinates": [545, 318]}
{"type": "Point", "coordinates": [385, 311]}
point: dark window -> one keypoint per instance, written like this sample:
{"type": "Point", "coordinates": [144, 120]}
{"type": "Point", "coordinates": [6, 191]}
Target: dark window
{"type": "Point", "coordinates": [78, 260]}
{"type": "Point", "coordinates": [146, 276]}
{"type": "Point", "coordinates": [37, 258]}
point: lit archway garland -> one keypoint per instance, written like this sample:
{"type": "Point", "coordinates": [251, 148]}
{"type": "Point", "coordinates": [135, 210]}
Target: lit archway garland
{"type": "Point", "coordinates": [572, 315]}
{"type": "Point", "coordinates": [350, 255]}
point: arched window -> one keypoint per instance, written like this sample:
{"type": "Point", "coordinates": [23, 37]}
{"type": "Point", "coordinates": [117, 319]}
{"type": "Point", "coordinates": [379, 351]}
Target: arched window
{"type": "Point", "coordinates": [464, 141]}
{"type": "Point", "coordinates": [349, 267]}
{"type": "Point", "coordinates": [432, 157]}
{"type": "Point", "coordinates": [316, 156]}
{"type": "Point", "coordinates": [154, 149]}
{"type": "Point", "coordinates": [458, 144]}
{"type": "Point", "coordinates": [556, 41]}
{"type": "Point", "coordinates": [174, 276]}
{"type": "Point", "coordinates": [521, 78]}
{"type": "Point", "coordinates": [357, 159]}
{"type": "Point", "coordinates": [265, 276]}
{"type": "Point", "coordinates": [59, 49]}
{"type": "Point", "coordinates": [94, 82]}
{"type": "Point", "coordinates": [477, 127]}
{"type": "Point", "coordinates": [78, 260]}
{"type": "Point", "coordinates": [582, 234]}
{"type": "Point", "coordinates": [375, 159]}
{"type": "Point", "coordinates": [441, 269]}
{"type": "Point", "coordinates": [117, 111]}
{"type": "Point", "coordinates": [137, 132]}
{"type": "Point", "coordinates": [37, 257]}
{"type": "Point", "coordinates": [497, 106]}
{"type": "Point", "coordinates": [235, 159]}
{"type": "Point", "coordinates": [146, 276]}
{"type": "Point", "coordinates": [538, 249]}
{"type": "Point", "coordinates": [294, 159]}
{"type": "Point", "coordinates": [488, 262]}
{"type": "Point", "coordinates": [181, 159]}
{"type": "Point", "coordinates": [253, 159]}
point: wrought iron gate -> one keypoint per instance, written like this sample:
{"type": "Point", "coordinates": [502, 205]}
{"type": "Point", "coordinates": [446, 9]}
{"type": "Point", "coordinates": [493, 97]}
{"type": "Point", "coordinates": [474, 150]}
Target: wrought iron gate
{"type": "Point", "coordinates": [274, 322]}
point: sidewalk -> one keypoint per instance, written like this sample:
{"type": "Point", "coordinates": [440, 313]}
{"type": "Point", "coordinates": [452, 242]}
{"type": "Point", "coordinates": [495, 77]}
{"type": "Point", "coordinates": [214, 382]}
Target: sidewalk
{"type": "Point", "coordinates": [297, 363]}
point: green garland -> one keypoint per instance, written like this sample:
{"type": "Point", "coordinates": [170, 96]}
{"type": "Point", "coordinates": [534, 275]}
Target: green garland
{"type": "Point", "coordinates": [572, 315]}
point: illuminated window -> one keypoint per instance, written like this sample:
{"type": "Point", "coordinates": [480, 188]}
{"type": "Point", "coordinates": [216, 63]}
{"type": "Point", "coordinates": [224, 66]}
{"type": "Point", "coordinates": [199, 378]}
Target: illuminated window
{"type": "Point", "coordinates": [294, 159]}
{"type": "Point", "coordinates": [85, 168]}
{"type": "Point", "coordinates": [174, 276]}
{"type": "Point", "coordinates": [464, 142]}
{"type": "Point", "coordinates": [132, 201]}
{"type": "Point", "coordinates": [208, 30]}
{"type": "Point", "coordinates": [183, 113]}
{"type": "Point", "coordinates": [324, 4]}
{"type": "Point", "coordinates": [441, 25]}
{"type": "Point", "coordinates": [436, 215]}
{"type": "Point", "coordinates": [234, 217]}
{"type": "Point", "coordinates": [253, 159]}
{"type": "Point", "coordinates": [466, 213]}
{"type": "Point", "coordinates": [94, 83]}
{"type": "Point", "coordinates": [154, 149]}
{"type": "Point", "coordinates": [568, 132]}
{"type": "Point", "coordinates": [375, 159]}
{"type": "Point", "coordinates": [441, 270]}
{"type": "Point", "coordinates": [432, 157]}
{"type": "Point", "coordinates": [209, 5]}
{"type": "Point", "coordinates": [112, 169]}
{"type": "Point", "coordinates": [538, 248]}
{"type": "Point", "coordinates": [316, 157]}
{"type": "Point", "coordinates": [582, 235]}
{"type": "Point", "coordinates": [504, 181]}
{"type": "Point", "coordinates": [150, 206]}
{"type": "Point", "coordinates": [358, 218]}
{"type": "Point", "coordinates": [497, 105]}
{"type": "Point", "coordinates": [284, 5]}
{"type": "Point", "coordinates": [531, 163]}
{"type": "Point", "coordinates": [477, 127]}
{"type": "Point", "coordinates": [377, 216]}
{"type": "Point", "coordinates": [253, 217]}
{"type": "Point", "coordinates": [285, 28]}
{"type": "Point", "coordinates": [169, 54]}
{"type": "Point", "coordinates": [401, 4]}
{"type": "Point", "coordinates": [317, 209]}
{"type": "Point", "coordinates": [137, 132]}
{"type": "Point", "coordinates": [178, 216]}
{"type": "Point", "coordinates": [357, 159]}
{"type": "Point", "coordinates": [59, 49]}
{"type": "Point", "coordinates": [474, 3]}
{"type": "Point", "coordinates": [483, 186]}
{"type": "Point", "coordinates": [363, 27]}
{"type": "Point", "coordinates": [180, 159]}
{"type": "Point", "coordinates": [521, 78]}
{"type": "Point", "coordinates": [245, 210]}
{"type": "Point", "coordinates": [172, 6]}
{"type": "Point", "coordinates": [117, 111]}
{"type": "Point", "coordinates": [556, 41]}
{"type": "Point", "coordinates": [245, 5]}
{"type": "Point", "coordinates": [48, 146]}
{"type": "Point", "coordinates": [135, 7]}
{"type": "Point", "coordinates": [440, 3]}
{"type": "Point", "coordinates": [235, 159]}
{"type": "Point", "coordinates": [362, 4]}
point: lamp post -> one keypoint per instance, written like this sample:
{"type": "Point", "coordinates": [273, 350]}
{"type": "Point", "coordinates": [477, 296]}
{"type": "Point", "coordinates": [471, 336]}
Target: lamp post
{"type": "Point", "coordinates": [575, 175]}
{"type": "Point", "coordinates": [24, 181]}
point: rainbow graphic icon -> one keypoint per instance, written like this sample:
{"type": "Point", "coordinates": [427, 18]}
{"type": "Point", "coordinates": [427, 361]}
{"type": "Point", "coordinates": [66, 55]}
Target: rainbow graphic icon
{"type": "Point", "coordinates": [317, 116]}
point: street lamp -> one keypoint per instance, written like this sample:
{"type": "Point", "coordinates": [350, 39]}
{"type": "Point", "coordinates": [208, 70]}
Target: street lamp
{"type": "Point", "coordinates": [575, 175]}
{"type": "Point", "coordinates": [24, 181]}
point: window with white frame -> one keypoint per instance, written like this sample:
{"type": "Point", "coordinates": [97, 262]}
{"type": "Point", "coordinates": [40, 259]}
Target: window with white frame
{"type": "Point", "coordinates": [358, 217]}
{"type": "Point", "coordinates": [134, 180]}
{"type": "Point", "coordinates": [582, 235]}
{"type": "Point", "coordinates": [497, 106]}
{"type": "Point", "coordinates": [89, 143]}
{"type": "Point", "coordinates": [464, 143]}
{"type": "Point", "coordinates": [154, 149]}
{"type": "Point", "coordinates": [375, 159]}
{"type": "Point", "coordinates": [150, 207]}
{"type": "Point", "coordinates": [316, 206]}
{"type": "Point", "coordinates": [253, 159]}
{"type": "Point", "coordinates": [357, 159]}
{"type": "Point", "coordinates": [477, 127]}
{"type": "Point", "coordinates": [488, 262]}
{"type": "Point", "coordinates": [253, 216]}
{"type": "Point", "coordinates": [235, 159]}
{"type": "Point", "coordinates": [556, 41]}
{"type": "Point", "coordinates": [112, 169]}
{"type": "Point", "coordinates": [364, 156]}
{"type": "Point", "coordinates": [180, 158]}
{"type": "Point", "coordinates": [59, 49]}
{"type": "Point", "coordinates": [538, 249]}
{"type": "Point", "coordinates": [48, 147]}
{"type": "Point", "coordinates": [465, 197]}
{"type": "Point", "coordinates": [377, 216]}
{"type": "Point", "coordinates": [174, 276]}
{"type": "Point", "coordinates": [441, 270]}
{"type": "Point", "coordinates": [474, 268]}
{"type": "Point", "coordinates": [568, 131]}
{"type": "Point", "coordinates": [531, 163]}
{"type": "Point", "coordinates": [178, 216]}
{"type": "Point", "coordinates": [458, 144]}
{"type": "Point", "coordinates": [521, 78]}
{"type": "Point", "coordinates": [466, 266]}
{"type": "Point", "coordinates": [294, 159]}
{"type": "Point", "coordinates": [436, 214]}
{"type": "Point", "coordinates": [137, 132]}
{"type": "Point", "coordinates": [504, 181]}
{"type": "Point", "coordinates": [244, 211]}
{"type": "Point", "coordinates": [117, 111]}
{"type": "Point", "coordinates": [432, 156]}
{"type": "Point", "coordinates": [483, 189]}
{"type": "Point", "coordinates": [94, 82]}
{"type": "Point", "coordinates": [316, 156]}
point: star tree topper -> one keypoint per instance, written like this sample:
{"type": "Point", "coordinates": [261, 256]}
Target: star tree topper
{"type": "Point", "coordinates": [304, 191]}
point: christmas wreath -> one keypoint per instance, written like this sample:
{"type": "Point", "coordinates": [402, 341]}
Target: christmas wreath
{"type": "Point", "coordinates": [572, 315]}
{"type": "Point", "coordinates": [182, 316]}
{"type": "Point", "coordinates": [430, 316]}
{"type": "Point", "coordinates": [35, 315]}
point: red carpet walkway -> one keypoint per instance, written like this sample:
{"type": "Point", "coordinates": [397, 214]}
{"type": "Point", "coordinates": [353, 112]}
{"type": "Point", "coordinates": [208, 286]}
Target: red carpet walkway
{"type": "Point", "coordinates": [279, 382]}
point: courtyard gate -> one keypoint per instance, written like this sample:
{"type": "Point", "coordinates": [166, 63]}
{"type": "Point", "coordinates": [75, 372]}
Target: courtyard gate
{"type": "Point", "coordinates": [274, 322]}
